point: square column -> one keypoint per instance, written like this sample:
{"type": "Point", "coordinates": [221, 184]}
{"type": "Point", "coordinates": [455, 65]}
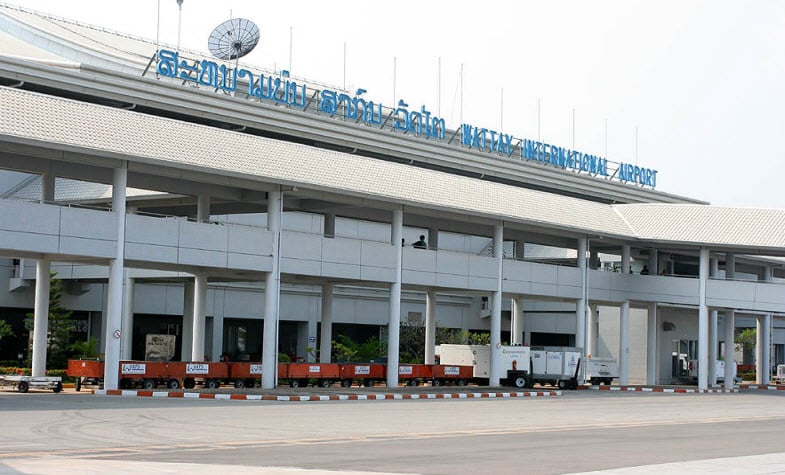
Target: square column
{"type": "Point", "coordinates": [713, 344]}
{"type": "Point", "coordinates": [516, 322]}
{"type": "Point", "coordinates": [127, 331]}
{"type": "Point", "coordinates": [272, 286]}
{"type": "Point", "coordinates": [188, 321]}
{"type": "Point", "coordinates": [114, 302]}
{"type": "Point", "coordinates": [730, 364]}
{"type": "Point", "coordinates": [763, 349]}
{"type": "Point", "coordinates": [651, 343]}
{"type": "Point", "coordinates": [326, 342]}
{"type": "Point", "coordinates": [703, 321]}
{"type": "Point", "coordinates": [200, 303]}
{"type": "Point", "coordinates": [42, 286]}
{"type": "Point", "coordinates": [495, 373]}
{"type": "Point", "coordinates": [430, 326]}
{"type": "Point", "coordinates": [624, 343]}
{"type": "Point", "coordinates": [580, 310]}
{"type": "Point", "coordinates": [394, 325]}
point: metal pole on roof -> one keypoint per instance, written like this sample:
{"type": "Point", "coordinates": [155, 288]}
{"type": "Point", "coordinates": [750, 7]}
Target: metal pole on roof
{"type": "Point", "coordinates": [158, 26]}
{"type": "Point", "coordinates": [395, 77]}
{"type": "Point", "coordinates": [539, 135]}
{"type": "Point", "coordinates": [573, 128]}
{"type": "Point", "coordinates": [636, 144]}
{"type": "Point", "coordinates": [461, 113]}
{"type": "Point", "coordinates": [344, 65]}
{"type": "Point", "coordinates": [501, 113]}
{"type": "Point", "coordinates": [439, 87]}
{"type": "Point", "coordinates": [179, 21]}
{"type": "Point", "coordinates": [291, 35]}
{"type": "Point", "coordinates": [606, 137]}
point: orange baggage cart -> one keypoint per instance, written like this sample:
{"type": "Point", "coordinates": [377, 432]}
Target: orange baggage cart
{"type": "Point", "coordinates": [458, 375]}
{"type": "Point", "coordinates": [413, 374]}
{"type": "Point", "coordinates": [323, 373]}
{"type": "Point", "coordinates": [367, 373]}
{"type": "Point", "coordinates": [246, 374]}
{"type": "Point", "coordinates": [86, 372]}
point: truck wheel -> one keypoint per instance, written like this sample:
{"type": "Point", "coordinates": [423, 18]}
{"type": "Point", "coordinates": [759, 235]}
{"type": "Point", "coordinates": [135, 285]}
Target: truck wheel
{"type": "Point", "coordinates": [149, 384]}
{"type": "Point", "coordinates": [368, 383]}
{"type": "Point", "coordinates": [562, 384]}
{"type": "Point", "coordinates": [22, 387]}
{"type": "Point", "coordinates": [519, 382]}
{"type": "Point", "coordinates": [58, 387]}
{"type": "Point", "coordinates": [461, 382]}
{"type": "Point", "coordinates": [211, 383]}
{"type": "Point", "coordinates": [239, 383]}
{"type": "Point", "coordinates": [436, 382]}
{"type": "Point", "coordinates": [189, 383]}
{"type": "Point", "coordinates": [294, 383]}
{"type": "Point", "coordinates": [346, 383]}
{"type": "Point", "coordinates": [173, 384]}
{"type": "Point", "coordinates": [324, 383]}
{"type": "Point", "coordinates": [413, 382]}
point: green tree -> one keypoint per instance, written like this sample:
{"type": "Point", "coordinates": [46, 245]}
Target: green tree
{"type": "Point", "coordinates": [746, 339]}
{"type": "Point", "coordinates": [60, 327]}
{"type": "Point", "coordinates": [5, 329]}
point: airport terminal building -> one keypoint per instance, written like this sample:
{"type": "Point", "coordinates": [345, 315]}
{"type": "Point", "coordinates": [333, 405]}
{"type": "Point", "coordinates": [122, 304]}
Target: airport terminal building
{"type": "Point", "coordinates": [253, 213]}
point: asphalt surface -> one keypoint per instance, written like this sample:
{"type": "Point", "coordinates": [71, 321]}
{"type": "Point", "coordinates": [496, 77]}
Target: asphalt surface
{"type": "Point", "coordinates": [580, 431]}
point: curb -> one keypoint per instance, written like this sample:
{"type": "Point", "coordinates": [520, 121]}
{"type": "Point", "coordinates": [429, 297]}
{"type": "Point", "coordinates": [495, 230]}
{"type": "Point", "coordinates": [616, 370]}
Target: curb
{"type": "Point", "coordinates": [663, 390]}
{"type": "Point", "coordinates": [331, 397]}
{"type": "Point", "coordinates": [762, 387]}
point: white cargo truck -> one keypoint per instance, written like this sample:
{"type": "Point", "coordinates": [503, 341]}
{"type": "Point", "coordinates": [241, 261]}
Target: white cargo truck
{"type": "Point", "coordinates": [556, 365]}
{"type": "Point", "coordinates": [520, 366]}
{"type": "Point", "coordinates": [597, 370]}
{"type": "Point", "coordinates": [719, 371]}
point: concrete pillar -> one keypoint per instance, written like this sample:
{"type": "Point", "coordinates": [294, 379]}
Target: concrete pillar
{"type": "Point", "coordinates": [520, 249]}
{"type": "Point", "coordinates": [126, 345]}
{"type": "Point", "coordinates": [651, 344]}
{"type": "Point", "coordinates": [187, 342]}
{"type": "Point", "coordinates": [730, 327]}
{"type": "Point", "coordinates": [625, 259]}
{"type": "Point", "coordinates": [430, 326]}
{"type": "Point", "coordinates": [762, 348]}
{"type": "Point", "coordinates": [394, 326]}
{"type": "Point", "coordinates": [703, 321]}
{"type": "Point", "coordinates": [592, 327]}
{"type": "Point", "coordinates": [203, 208]}
{"type": "Point", "coordinates": [272, 289]}
{"type": "Point", "coordinates": [326, 343]}
{"type": "Point", "coordinates": [624, 343]}
{"type": "Point", "coordinates": [730, 266]}
{"type": "Point", "coordinates": [713, 344]}
{"type": "Point", "coordinates": [41, 317]}
{"type": "Point", "coordinates": [310, 339]}
{"type": "Point", "coordinates": [41, 309]}
{"type": "Point", "coordinates": [217, 342]}
{"type": "Point", "coordinates": [433, 238]}
{"type": "Point", "coordinates": [329, 225]}
{"type": "Point", "coordinates": [580, 311]}
{"type": "Point", "coordinates": [653, 262]}
{"type": "Point", "coordinates": [516, 322]}
{"type": "Point", "coordinates": [495, 373]}
{"type": "Point", "coordinates": [114, 303]}
{"type": "Point", "coordinates": [200, 304]}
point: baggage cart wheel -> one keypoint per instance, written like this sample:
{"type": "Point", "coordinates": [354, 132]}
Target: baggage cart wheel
{"type": "Point", "coordinates": [562, 384]}
{"type": "Point", "coordinates": [189, 383]}
{"type": "Point", "coordinates": [607, 381]}
{"type": "Point", "coordinates": [594, 381]}
{"type": "Point", "coordinates": [436, 382]}
{"type": "Point", "coordinates": [519, 382]}
{"type": "Point", "coordinates": [211, 383]}
{"type": "Point", "coordinates": [413, 382]}
{"type": "Point", "coordinates": [149, 384]}
{"type": "Point", "coordinates": [324, 383]}
{"type": "Point", "coordinates": [173, 384]}
{"type": "Point", "coordinates": [58, 387]}
{"type": "Point", "coordinates": [368, 383]}
{"type": "Point", "coordinates": [78, 383]}
{"type": "Point", "coordinates": [346, 383]}
{"type": "Point", "coordinates": [22, 387]}
{"type": "Point", "coordinates": [250, 383]}
{"type": "Point", "coordinates": [461, 382]}
{"type": "Point", "coordinates": [239, 383]}
{"type": "Point", "coordinates": [294, 383]}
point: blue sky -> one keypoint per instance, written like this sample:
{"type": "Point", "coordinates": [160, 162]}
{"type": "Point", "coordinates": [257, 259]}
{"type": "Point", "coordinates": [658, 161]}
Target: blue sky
{"type": "Point", "coordinates": [701, 81]}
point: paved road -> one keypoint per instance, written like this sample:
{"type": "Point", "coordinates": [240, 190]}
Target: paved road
{"type": "Point", "coordinates": [578, 432]}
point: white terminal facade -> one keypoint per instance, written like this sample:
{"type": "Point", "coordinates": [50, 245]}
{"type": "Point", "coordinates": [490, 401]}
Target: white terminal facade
{"type": "Point", "coordinates": [253, 227]}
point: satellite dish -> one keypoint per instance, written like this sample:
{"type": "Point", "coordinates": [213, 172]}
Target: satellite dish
{"type": "Point", "coordinates": [233, 38]}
